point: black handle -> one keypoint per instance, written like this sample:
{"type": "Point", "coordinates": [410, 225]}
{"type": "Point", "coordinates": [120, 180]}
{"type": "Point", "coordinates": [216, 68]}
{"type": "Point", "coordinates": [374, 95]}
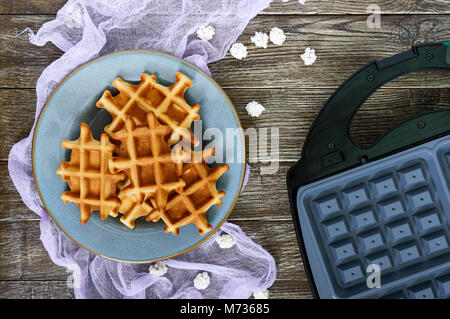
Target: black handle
{"type": "Point", "coordinates": [329, 149]}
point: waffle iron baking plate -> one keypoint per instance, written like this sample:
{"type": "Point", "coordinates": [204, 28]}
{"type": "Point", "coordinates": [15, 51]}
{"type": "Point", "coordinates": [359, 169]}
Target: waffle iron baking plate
{"type": "Point", "coordinates": [374, 222]}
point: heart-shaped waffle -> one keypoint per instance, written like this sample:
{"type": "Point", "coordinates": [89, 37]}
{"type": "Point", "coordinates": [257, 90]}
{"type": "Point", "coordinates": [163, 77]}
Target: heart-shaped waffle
{"type": "Point", "coordinates": [92, 185]}
{"type": "Point", "coordinates": [147, 160]}
{"type": "Point", "coordinates": [132, 209]}
{"type": "Point", "coordinates": [167, 103]}
{"type": "Point", "coordinates": [190, 203]}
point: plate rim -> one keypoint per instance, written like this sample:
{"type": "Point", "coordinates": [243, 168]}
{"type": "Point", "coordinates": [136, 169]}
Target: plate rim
{"type": "Point", "coordinates": [154, 52]}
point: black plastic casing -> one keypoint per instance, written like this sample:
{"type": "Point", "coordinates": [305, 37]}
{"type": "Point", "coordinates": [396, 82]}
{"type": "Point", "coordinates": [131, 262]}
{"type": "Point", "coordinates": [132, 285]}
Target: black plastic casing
{"type": "Point", "coordinates": [329, 149]}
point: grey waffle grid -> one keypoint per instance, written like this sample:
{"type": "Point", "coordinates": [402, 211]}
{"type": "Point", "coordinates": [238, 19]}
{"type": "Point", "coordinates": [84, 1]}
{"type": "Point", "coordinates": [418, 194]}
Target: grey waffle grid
{"type": "Point", "coordinates": [394, 213]}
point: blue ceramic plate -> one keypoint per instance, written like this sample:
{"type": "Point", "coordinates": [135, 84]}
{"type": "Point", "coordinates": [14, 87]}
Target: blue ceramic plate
{"type": "Point", "coordinates": [73, 102]}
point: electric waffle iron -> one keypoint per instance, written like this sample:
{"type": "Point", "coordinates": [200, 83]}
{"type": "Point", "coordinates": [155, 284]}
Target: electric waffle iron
{"type": "Point", "coordinates": [387, 205]}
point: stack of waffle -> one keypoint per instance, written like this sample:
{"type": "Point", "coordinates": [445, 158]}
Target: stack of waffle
{"type": "Point", "coordinates": [136, 169]}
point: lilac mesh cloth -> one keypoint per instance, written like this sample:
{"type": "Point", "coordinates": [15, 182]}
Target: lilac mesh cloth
{"type": "Point", "coordinates": [86, 29]}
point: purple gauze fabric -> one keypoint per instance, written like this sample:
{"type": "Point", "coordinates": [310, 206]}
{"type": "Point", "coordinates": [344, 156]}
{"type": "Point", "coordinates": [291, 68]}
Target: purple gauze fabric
{"type": "Point", "coordinates": [86, 29]}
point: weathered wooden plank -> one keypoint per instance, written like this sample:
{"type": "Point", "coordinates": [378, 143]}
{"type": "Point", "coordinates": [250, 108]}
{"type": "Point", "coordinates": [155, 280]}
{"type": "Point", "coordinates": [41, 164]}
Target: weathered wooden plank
{"type": "Point", "coordinates": [25, 7]}
{"type": "Point", "coordinates": [38, 289]}
{"type": "Point", "coordinates": [293, 112]}
{"type": "Point", "coordinates": [17, 113]}
{"type": "Point", "coordinates": [25, 258]}
{"type": "Point", "coordinates": [357, 7]}
{"type": "Point", "coordinates": [276, 7]}
{"type": "Point", "coordinates": [23, 255]}
{"type": "Point", "coordinates": [290, 110]}
{"type": "Point", "coordinates": [342, 44]}
{"type": "Point", "coordinates": [333, 38]}
{"type": "Point", "coordinates": [290, 289]}
{"type": "Point", "coordinates": [35, 289]}
{"type": "Point", "coordinates": [11, 205]}
{"type": "Point", "coordinates": [21, 63]}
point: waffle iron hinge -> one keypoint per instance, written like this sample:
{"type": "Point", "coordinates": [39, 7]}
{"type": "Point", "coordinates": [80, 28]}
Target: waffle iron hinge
{"type": "Point", "coordinates": [337, 157]}
{"type": "Point", "coordinates": [333, 158]}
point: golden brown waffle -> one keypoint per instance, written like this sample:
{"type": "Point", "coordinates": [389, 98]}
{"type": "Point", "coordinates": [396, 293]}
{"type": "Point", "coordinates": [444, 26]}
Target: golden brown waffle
{"type": "Point", "coordinates": [92, 185]}
{"type": "Point", "coordinates": [191, 203]}
{"type": "Point", "coordinates": [132, 209]}
{"type": "Point", "coordinates": [147, 160]}
{"type": "Point", "coordinates": [167, 103]}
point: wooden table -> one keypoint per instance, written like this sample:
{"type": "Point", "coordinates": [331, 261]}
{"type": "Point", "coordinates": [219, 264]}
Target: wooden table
{"type": "Point", "coordinates": [291, 92]}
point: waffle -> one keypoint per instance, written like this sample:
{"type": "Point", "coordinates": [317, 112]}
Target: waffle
{"type": "Point", "coordinates": [167, 103]}
{"type": "Point", "coordinates": [132, 209]}
{"type": "Point", "coordinates": [190, 203]}
{"type": "Point", "coordinates": [147, 160]}
{"type": "Point", "coordinates": [92, 185]}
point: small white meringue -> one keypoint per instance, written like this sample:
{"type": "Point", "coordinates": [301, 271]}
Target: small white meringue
{"type": "Point", "coordinates": [261, 294]}
{"type": "Point", "coordinates": [238, 50]}
{"type": "Point", "coordinates": [277, 36]}
{"type": "Point", "coordinates": [309, 57]}
{"type": "Point", "coordinates": [260, 39]}
{"type": "Point", "coordinates": [202, 280]}
{"type": "Point", "coordinates": [158, 269]}
{"type": "Point", "coordinates": [206, 33]}
{"type": "Point", "coordinates": [254, 109]}
{"type": "Point", "coordinates": [225, 241]}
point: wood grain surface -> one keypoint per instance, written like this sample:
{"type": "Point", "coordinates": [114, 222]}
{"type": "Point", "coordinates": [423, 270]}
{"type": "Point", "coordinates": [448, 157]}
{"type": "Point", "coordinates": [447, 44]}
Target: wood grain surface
{"type": "Point", "coordinates": [335, 39]}
{"type": "Point", "coordinates": [336, 7]}
{"type": "Point", "coordinates": [291, 92]}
